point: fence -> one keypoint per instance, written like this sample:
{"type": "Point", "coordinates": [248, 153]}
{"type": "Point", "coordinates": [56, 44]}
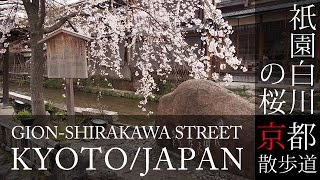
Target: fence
{"type": "Point", "coordinates": [22, 69]}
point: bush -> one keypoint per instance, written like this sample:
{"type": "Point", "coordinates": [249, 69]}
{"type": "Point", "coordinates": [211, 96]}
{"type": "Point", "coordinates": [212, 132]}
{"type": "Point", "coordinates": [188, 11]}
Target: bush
{"type": "Point", "coordinates": [23, 114]}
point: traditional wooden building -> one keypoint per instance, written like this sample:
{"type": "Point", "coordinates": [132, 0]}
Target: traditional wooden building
{"type": "Point", "coordinates": [261, 35]}
{"type": "Point", "coordinates": [262, 31]}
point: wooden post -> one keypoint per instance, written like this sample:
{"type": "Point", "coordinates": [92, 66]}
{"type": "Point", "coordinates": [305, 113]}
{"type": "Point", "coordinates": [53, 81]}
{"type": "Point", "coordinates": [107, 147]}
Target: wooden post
{"type": "Point", "coordinates": [5, 89]}
{"type": "Point", "coordinates": [70, 101]}
{"type": "Point", "coordinates": [261, 43]}
{"type": "Point", "coordinates": [70, 96]}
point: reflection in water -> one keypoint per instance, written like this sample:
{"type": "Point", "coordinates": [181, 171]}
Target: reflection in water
{"type": "Point", "coordinates": [123, 106]}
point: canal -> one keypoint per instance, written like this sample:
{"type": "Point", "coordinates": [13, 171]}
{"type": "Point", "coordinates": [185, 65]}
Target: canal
{"type": "Point", "coordinates": [127, 108]}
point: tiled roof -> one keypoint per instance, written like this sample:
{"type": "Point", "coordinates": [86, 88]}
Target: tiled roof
{"type": "Point", "coordinates": [268, 7]}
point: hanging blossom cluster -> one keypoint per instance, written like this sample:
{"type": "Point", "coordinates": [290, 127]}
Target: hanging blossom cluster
{"type": "Point", "coordinates": [7, 21]}
{"type": "Point", "coordinates": [219, 44]}
{"type": "Point", "coordinates": [154, 32]}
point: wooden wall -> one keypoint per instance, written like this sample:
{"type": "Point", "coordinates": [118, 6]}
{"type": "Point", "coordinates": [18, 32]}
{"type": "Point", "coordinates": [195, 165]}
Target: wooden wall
{"type": "Point", "coordinates": [66, 57]}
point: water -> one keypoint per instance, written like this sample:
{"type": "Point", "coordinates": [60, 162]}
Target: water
{"type": "Point", "coordinates": [121, 105]}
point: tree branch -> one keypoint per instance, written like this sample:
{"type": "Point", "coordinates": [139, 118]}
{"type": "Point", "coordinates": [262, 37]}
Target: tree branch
{"type": "Point", "coordinates": [72, 26]}
{"type": "Point", "coordinates": [27, 5]}
{"type": "Point", "coordinates": [31, 10]}
{"type": "Point", "coordinates": [61, 21]}
{"type": "Point", "coordinates": [138, 8]}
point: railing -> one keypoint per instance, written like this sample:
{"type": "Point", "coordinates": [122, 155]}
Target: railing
{"type": "Point", "coordinates": [21, 69]}
{"type": "Point", "coordinates": [30, 157]}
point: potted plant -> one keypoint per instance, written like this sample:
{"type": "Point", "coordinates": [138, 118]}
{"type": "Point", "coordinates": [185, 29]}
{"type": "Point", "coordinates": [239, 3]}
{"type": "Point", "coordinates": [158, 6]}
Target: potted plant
{"type": "Point", "coordinates": [98, 125]}
{"type": "Point", "coordinates": [25, 117]}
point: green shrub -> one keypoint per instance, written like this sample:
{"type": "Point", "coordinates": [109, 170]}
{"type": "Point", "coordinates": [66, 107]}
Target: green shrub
{"type": "Point", "coordinates": [165, 88]}
{"type": "Point", "coordinates": [23, 114]}
{"type": "Point", "coordinates": [51, 108]}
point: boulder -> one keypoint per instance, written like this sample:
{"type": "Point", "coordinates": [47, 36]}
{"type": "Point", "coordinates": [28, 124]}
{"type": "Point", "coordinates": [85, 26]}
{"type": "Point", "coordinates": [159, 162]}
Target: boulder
{"type": "Point", "coordinates": [203, 97]}
{"type": "Point", "coordinates": [205, 103]}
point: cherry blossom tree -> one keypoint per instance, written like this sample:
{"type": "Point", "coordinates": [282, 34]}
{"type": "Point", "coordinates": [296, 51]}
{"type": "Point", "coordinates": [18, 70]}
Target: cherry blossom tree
{"type": "Point", "coordinates": [155, 31]}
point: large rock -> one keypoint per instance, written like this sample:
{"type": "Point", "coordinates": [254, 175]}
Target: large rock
{"type": "Point", "coordinates": [203, 97]}
{"type": "Point", "coordinates": [207, 104]}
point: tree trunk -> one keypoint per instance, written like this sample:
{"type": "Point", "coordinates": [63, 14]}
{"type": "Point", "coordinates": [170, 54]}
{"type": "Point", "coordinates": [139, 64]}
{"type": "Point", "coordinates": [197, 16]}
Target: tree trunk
{"type": "Point", "coordinates": [36, 13]}
{"type": "Point", "coordinates": [37, 71]}
{"type": "Point", "coordinates": [37, 60]}
{"type": "Point", "coordinates": [5, 69]}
